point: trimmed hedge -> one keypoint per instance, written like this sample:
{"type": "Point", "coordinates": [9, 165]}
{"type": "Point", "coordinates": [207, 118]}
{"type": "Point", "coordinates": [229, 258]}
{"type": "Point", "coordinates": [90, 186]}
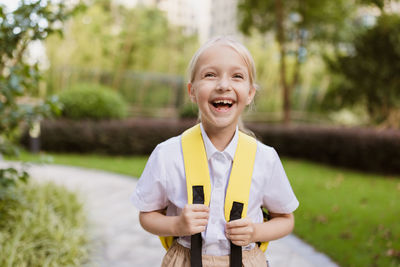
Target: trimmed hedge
{"type": "Point", "coordinates": [92, 101]}
{"type": "Point", "coordinates": [365, 149]}
{"type": "Point", "coordinates": [115, 137]}
{"type": "Point", "coordinates": [358, 148]}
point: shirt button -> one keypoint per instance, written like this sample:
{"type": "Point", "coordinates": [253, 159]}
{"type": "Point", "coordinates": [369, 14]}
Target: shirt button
{"type": "Point", "coordinates": [218, 184]}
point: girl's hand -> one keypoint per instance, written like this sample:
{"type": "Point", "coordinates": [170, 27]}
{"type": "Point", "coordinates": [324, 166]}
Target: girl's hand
{"type": "Point", "coordinates": [241, 232]}
{"type": "Point", "coordinates": [193, 220]}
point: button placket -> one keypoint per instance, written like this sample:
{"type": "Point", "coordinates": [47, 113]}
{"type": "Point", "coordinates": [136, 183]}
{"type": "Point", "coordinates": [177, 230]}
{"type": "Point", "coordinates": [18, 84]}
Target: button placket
{"type": "Point", "coordinates": [219, 169]}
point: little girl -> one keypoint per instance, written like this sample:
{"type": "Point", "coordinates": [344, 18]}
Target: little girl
{"type": "Point", "coordinates": [222, 84]}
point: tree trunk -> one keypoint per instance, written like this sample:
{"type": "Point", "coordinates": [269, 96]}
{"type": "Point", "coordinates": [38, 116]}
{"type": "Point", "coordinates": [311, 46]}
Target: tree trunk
{"type": "Point", "coordinates": [282, 63]}
{"type": "Point", "coordinates": [124, 62]}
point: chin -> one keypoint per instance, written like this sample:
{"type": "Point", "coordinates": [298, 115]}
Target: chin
{"type": "Point", "coordinates": [224, 123]}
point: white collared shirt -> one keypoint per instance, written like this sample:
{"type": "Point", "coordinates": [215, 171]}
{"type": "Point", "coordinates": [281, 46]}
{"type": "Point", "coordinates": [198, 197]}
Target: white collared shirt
{"type": "Point", "coordinates": [163, 184]}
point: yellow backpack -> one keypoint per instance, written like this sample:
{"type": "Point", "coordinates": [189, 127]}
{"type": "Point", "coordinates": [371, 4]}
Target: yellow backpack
{"type": "Point", "coordinates": [199, 187]}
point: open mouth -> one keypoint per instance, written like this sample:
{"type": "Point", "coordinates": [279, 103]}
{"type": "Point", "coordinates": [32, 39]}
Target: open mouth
{"type": "Point", "coordinates": [222, 104]}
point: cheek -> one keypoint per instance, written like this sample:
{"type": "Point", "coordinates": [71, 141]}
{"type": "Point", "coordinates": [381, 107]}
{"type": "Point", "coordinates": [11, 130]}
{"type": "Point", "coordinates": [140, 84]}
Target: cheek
{"type": "Point", "coordinates": [245, 94]}
{"type": "Point", "coordinates": [202, 93]}
{"type": "Point", "coordinates": [202, 98]}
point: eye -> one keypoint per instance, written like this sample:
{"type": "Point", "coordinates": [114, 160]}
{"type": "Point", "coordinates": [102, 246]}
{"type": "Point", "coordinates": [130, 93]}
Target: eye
{"type": "Point", "coordinates": [209, 74]}
{"type": "Point", "coordinates": [238, 76]}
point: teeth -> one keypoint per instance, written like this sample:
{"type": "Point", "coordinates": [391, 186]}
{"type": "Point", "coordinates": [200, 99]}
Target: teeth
{"type": "Point", "coordinates": [226, 102]}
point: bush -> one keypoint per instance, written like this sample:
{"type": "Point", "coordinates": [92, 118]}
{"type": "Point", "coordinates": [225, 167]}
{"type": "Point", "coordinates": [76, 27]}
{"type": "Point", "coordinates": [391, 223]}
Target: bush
{"type": "Point", "coordinates": [42, 225]}
{"type": "Point", "coordinates": [365, 149]}
{"type": "Point", "coordinates": [358, 148]}
{"type": "Point", "coordinates": [115, 137]}
{"type": "Point", "coordinates": [189, 111]}
{"type": "Point", "coordinates": [92, 101]}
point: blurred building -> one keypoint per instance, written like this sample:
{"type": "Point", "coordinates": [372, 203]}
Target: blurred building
{"type": "Point", "coordinates": [206, 18]}
{"type": "Point", "coordinates": [182, 13]}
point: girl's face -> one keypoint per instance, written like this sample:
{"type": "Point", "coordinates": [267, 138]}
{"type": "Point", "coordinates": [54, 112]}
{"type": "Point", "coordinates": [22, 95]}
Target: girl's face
{"type": "Point", "coordinates": [221, 87]}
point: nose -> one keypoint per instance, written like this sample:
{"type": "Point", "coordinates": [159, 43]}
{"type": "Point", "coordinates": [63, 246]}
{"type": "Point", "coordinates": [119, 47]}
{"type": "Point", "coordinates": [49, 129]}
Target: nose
{"type": "Point", "coordinates": [224, 83]}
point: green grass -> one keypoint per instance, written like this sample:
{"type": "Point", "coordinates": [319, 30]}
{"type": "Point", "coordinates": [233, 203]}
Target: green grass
{"type": "Point", "coordinates": [353, 217]}
{"type": "Point", "coordinates": [42, 225]}
{"type": "Point", "coordinates": [132, 165]}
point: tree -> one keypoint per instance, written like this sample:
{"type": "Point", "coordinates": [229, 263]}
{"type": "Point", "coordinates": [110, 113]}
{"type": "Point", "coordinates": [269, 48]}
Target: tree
{"type": "Point", "coordinates": [369, 74]}
{"type": "Point", "coordinates": [116, 39]}
{"type": "Point", "coordinates": [31, 21]}
{"type": "Point", "coordinates": [296, 23]}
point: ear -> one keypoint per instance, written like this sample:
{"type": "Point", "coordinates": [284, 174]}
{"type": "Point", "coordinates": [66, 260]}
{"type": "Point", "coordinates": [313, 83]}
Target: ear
{"type": "Point", "coordinates": [191, 92]}
{"type": "Point", "coordinates": [251, 95]}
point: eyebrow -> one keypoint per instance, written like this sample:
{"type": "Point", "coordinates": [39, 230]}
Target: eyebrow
{"type": "Point", "coordinates": [233, 68]}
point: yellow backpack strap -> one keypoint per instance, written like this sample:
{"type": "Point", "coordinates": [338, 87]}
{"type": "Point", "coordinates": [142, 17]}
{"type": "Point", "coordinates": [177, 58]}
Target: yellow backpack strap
{"type": "Point", "coordinates": [240, 180]}
{"type": "Point", "coordinates": [197, 178]}
{"type": "Point", "coordinates": [197, 181]}
{"type": "Point", "coordinates": [196, 165]}
{"type": "Point", "coordinates": [237, 193]}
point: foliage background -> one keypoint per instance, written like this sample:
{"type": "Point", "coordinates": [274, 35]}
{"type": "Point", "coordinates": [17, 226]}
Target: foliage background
{"type": "Point", "coordinates": [41, 225]}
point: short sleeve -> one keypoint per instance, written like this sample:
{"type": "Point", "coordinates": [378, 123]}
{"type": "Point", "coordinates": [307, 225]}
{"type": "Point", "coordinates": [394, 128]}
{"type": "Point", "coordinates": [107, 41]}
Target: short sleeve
{"type": "Point", "coordinates": [150, 193]}
{"type": "Point", "coordinates": [279, 196]}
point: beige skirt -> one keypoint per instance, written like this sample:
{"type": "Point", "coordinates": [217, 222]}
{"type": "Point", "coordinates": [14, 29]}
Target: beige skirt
{"type": "Point", "coordinates": [179, 256]}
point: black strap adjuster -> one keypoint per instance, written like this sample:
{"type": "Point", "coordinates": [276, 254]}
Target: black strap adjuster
{"type": "Point", "coordinates": [196, 240]}
{"type": "Point", "coordinates": [235, 259]}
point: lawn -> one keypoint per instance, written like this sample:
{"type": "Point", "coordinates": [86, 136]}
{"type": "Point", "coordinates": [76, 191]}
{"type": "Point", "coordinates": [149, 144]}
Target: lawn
{"type": "Point", "coordinates": [350, 216]}
{"type": "Point", "coordinates": [129, 165]}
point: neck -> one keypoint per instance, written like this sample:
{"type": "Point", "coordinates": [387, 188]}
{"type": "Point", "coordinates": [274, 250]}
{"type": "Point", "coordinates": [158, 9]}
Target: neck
{"type": "Point", "coordinates": [220, 138]}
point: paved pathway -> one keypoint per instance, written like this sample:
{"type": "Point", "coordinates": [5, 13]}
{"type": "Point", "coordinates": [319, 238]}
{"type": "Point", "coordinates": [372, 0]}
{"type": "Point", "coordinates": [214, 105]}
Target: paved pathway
{"type": "Point", "coordinates": [121, 242]}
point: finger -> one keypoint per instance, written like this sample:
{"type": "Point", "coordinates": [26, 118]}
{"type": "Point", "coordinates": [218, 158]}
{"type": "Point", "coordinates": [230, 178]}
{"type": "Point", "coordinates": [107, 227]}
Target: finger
{"type": "Point", "coordinates": [192, 218]}
{"type": "Point", "coordinates": [201, 229]}
{"type": "Point", "coordinates": [197, 229]}
{"type": "Point", "coordinates": [240, 240]}
{"type": "Point", "coordinates": [199, 207]}
{"type": "Point", "coordinates": [201, 222]}
{"type": "Point", "coordinates": [239, 237]}
{"type": "Point", "coordinates": [237, 223]}
{"type": "Point", "coordinates": [238, 231]}
{"type": "Point", "coordinates": [200, 215]}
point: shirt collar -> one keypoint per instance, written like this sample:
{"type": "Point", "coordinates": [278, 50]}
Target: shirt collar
{"type": "Point", "coordinates": [211, 149]}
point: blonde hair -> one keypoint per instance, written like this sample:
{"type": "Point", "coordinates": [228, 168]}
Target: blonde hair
{"type": "Point", "coordinates": [242, 51]}
{"type": "Point", "coordinates": [235, 45]}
